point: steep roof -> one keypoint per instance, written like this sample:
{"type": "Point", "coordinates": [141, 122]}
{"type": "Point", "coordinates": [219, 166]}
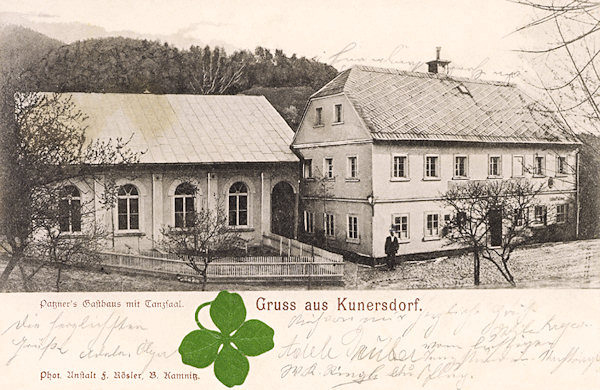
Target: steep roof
{"type": "Point", "coordinates": [401, 105]}
{"type": "Point", "coordinates": [190, 128]}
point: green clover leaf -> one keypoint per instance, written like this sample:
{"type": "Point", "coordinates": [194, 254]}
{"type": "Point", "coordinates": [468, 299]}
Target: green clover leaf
{"type": "Point", "coordinates": [200, 348]}
{"type": "Point", "coordinates": [231, 366]}
{"type": "Point", "coordinates": [228, 311]}
{"type": "Point", "coordinates": [254, 337]}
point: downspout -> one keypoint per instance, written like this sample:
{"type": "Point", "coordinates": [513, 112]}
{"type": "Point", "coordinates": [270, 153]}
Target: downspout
{"type": "Point", "coordinates": [208, 194]}
{"type": "Point", "coordinates": [262, 204]}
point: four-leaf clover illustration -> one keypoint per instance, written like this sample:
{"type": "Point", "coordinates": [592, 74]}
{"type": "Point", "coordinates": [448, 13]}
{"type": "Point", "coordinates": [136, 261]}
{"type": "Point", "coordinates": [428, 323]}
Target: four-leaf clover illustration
{"type": "Point", "coordinates": [202, 347]}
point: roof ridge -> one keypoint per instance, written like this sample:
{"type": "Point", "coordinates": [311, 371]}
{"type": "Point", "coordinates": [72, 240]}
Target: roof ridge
{"type": "Point", "coordinates": [239, 95]}
{"type": "Point", "coordinates": [439, 76]}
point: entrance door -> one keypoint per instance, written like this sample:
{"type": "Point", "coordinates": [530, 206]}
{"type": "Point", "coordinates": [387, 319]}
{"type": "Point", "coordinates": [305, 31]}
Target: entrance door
{"type": "Point", "coordinates": [283, 203]}
{"type": "Point", "coordinates": [495, 220]}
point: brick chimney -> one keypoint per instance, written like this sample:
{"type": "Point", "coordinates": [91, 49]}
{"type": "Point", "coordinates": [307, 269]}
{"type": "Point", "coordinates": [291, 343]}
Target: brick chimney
{"type": "Point", "coordinates": [438, 65]}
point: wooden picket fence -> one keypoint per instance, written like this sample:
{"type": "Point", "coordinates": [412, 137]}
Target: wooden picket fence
{"type": "Point", "coordinates": [254, 268]}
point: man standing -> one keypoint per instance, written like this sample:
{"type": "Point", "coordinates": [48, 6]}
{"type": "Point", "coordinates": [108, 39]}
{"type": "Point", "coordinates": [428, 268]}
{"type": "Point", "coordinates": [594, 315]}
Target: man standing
{"type": "Point", "coordinates": [391, 247]}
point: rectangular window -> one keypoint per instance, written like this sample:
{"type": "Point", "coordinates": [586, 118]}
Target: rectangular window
{"type": "Point", "coordinates": [329, 225]}
{"type": "Point", "coordinates": [352, 227]}
{"type": "Point", "coordinates": [562, 212]}
{"type": "Point", "coordinates": [400, 167]}
{"type": "Point", "coordinates": [338, 113]}
{"type": "Point", "coordinates": [460, 166]}
{"type": "Point", "coordinates": [432, 167]}
{"type": "Point", "coordinates": [447, 224]}
{"type": "Point", "coordinates": [328, 167]}
{"type": "Point", "coordinates": [319, 116]}
{"type": "Point", "coordinates": [561, 165]}
{"type": "Point", "coordinates": [400, 225]}
{"type": "Point", "coordinates": [522, 217]}
{"type": "Point", "coordinates": [495, 166]}
{"type": "Point", "coordinates": [518, 167]}
{"type": "Point", "coordinates": [540, 215]}
{"type": "Point", "coordinates": [309, 221]}
{"type": "Point", "coordinates": [307, 171]}
{"type": "Point", "coordinates": [539, 166]}
{"type": "Point", "coordinates": [432, 225]}
{"type": "Point", "coordinates": [352, 167]}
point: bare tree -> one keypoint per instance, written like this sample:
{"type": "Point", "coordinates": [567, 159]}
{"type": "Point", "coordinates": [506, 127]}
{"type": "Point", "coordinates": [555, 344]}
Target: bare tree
{"type": "Point", "coordinates": [212, 72]}
{"type": "Point", "coordinates": [479, 205]}
{"type": "Point", "coordinates": [319, 186]}
{"type": "Point", "coordinates": [66, 235]}
{"type": "Point", "coordinates": [568, 73]}
{"type": "Point", "coordinates": [44, 146]}
{"type": "Point", "coordinates": [204, 237]}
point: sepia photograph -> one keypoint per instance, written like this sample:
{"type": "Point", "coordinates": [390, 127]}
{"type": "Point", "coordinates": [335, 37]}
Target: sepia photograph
{"type": "Point", "coordinates": [295, 194]}
{"type": "Point", "coordinates": [337, 146]}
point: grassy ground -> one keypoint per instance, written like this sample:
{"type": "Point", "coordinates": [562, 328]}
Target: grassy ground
{"type": "Point", "coordinates": [555, 265]}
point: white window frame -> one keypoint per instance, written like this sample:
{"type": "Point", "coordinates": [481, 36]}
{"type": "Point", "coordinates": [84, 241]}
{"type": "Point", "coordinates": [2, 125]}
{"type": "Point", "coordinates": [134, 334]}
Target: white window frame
{"type": "Point", "coordinates": [535, 219]}
{"type": "Point", "coordinates": [400, 232]}
{"type": "Point", "coordinates": [304, 166]}
{"type": "Point", "coordinates": [329, 225]}
{"type": "Point", "coordinates": [237, 196]}
{"type": "Point", "coordinates": [499, 166]}
{"type": "Point", "coordinates": [558, 171]}
{"type": "Point", "coordinates": [349, 236]}
{"type": "Point", "coordinates": [437, 167]}
{"type": "Point", "coordinates": [318, 117]}
{"type": "Point", "coordinates": [426, 235]}
{"type": "Point", "coordinates": [309, 222]}
{"type": "Point", "coordinates": [341, 118]}
{"type": "Point", "coordinates": [565, 213]}
{"type": "Point", "coordinates": [328, 173]}
{"type": "Point", "coordinates": [524, 218]}
{"type": "Point", "coordinates": [522, 165]}
{"type": "Point", "coordinates": [536, 173]}
{"type": "Point", "coordinates": [406, 167]}
{"type": "Point", "coordinates": [466, 175]}
{"type": "Point", "coordinates": [349, 173]}
{"type": "Point", "coordinates": [128, 213]}
{"type": "Point", "coordinates": [184, 198]}
{"type": "Point", "coordinates": [70, 199]}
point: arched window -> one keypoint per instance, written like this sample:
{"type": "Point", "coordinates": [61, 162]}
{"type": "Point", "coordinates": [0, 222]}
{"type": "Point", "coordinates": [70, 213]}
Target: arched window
{"type": "Point", "coordinates": [184, 205]}
{"type": "Point", "coordinates": [69, 220]}
{"type": "Point", "coordinates": [128, 208]}
{"type": "Point", "coordinates": [238, 204]}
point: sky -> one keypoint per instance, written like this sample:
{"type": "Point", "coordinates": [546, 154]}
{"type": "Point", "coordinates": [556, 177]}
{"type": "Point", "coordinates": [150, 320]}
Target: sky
{"type": "Point", "coordinates": [476, 35]}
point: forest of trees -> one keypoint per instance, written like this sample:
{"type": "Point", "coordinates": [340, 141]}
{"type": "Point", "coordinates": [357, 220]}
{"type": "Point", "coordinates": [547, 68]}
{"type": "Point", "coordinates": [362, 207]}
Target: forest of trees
{"type": "Point", "coordinates": [127, 65]}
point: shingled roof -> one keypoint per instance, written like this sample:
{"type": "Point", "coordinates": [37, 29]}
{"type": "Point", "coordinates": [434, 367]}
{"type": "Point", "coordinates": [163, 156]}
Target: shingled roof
{"type": "Point", "coordinates": [401, 105]}
{"type": "Point", "coordinates": [190, 128]}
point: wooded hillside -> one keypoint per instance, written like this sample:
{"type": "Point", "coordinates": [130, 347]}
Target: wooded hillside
{"type": "Point", "coordinates": [128, 65]}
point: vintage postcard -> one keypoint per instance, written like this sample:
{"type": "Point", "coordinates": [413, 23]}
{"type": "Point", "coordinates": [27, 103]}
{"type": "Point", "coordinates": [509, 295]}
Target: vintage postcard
{"type": "Point", "coordinates": [293, 194]}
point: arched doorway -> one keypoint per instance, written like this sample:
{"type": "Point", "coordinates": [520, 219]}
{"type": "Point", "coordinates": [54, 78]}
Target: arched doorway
{"type": "Point", "coordinates": [283, 202]}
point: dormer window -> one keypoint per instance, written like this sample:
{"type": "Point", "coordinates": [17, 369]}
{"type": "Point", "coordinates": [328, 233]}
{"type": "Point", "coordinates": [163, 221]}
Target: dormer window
{"type": "Point", "coordinates": [337, 113]}
{"type": "Point", "coordinates": [463, 89]}
{"type": "Point", "coordinates": [319, 116]}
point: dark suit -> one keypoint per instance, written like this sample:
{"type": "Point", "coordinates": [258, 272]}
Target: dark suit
{"type": "Point", "coordinates": [391, 247]}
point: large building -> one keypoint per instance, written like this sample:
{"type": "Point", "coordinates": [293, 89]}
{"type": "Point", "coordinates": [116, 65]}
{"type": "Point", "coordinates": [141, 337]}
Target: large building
{"type": "Point", "coordinates": [199, 152]}
{"type": "Point", "coordinates": [380, 146]}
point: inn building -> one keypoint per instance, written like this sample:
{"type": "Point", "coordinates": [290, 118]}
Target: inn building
{"type": "Point", "coordinates": [197, 152]}
{"type": "Point", "coordinates": [379, 147]}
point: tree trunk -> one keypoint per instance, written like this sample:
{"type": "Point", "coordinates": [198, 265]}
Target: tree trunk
{"type": "Point", "coordinates": [476, 263]}
{"type": "Point", "coordinates": [58, 274]}
{"type": "Point", "coordinates": [12, 263]}
{"type": "Point", "coordinates": [205, 276]}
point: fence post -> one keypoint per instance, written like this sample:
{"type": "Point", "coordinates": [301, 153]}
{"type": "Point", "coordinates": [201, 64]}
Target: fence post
{"type": "Point", "coordinates": [289, 247]}
{"type": "Point", "coordinates": [280, 245]}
